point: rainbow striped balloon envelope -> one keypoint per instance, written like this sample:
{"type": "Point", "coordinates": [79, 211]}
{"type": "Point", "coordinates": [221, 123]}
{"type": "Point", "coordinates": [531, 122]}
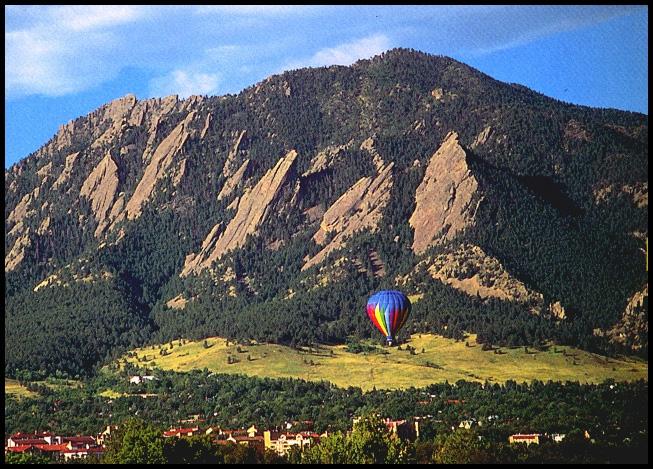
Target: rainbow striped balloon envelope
{"type": "Point", "coordinates": [388, 310]}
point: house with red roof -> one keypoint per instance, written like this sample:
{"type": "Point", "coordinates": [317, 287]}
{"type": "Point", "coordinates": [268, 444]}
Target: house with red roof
{"type": "Point", "coordinates": [180, 432]}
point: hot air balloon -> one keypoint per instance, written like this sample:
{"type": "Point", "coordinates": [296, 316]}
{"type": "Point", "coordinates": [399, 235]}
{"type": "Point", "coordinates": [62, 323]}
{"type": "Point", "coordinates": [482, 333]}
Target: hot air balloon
{"type": "Point", "coordinates": [388, 310]}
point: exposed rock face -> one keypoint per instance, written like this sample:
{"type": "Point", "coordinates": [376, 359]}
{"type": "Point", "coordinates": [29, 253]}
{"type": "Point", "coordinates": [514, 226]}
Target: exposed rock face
{"type": "Point", "coordinates": [44, 226]}
{"type": "Point", "coordinates": [637, 191]}
{"type": "Point", "coordinates": [632, 330]}
{"type": "Point", "coordinates": [67, 170]}
{"type": "Point", "coordinates": [357, 209]}
{"type": "Point", "coordinates": [230, 164]}
{"type": "Point", "coordinates": [207, 123]}
{"type": "Point", "coordinates": [575, 130]}
{"type": "Point", "coordinates": [557, 310]}
{"type": "Point", "coordinates": [472, 271]}
{"type": "Point", "coordinates": [158, 166]}
{"type": "Point", "coordinates": [178, 302]}
{"type": "Point", "coordinates": [17, 252]}
{"type": "Point", "coordinates": [481, 138]}
{"type": "Point", "coordinates": [253, 208]}
{"type": "Point", "coordinates": [100, 188]}
{"type": "Point", "coordinates": [324, 159]}
{"type": "Point", "coordinates": [368, 145]}
{"type": "Point", "coordinates": [45, 171]}
{"type": "Point", "coordinates": [24, 208]}
{"type": "Point", "coordinates": [117, 112]}
{"type": "Point", "coordinates": [193, 261]}
{"type": "Point", "coordinates": [447, 199]}
{"type": "Point", "coordinates": [233, 181]}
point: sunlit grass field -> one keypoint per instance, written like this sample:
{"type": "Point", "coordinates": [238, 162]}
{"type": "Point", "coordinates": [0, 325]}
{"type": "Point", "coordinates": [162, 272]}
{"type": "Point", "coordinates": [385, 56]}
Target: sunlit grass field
{"type": "Point", "coordinates": [436, 359]}
{"type": "Point", "coordinates": [14, 388]}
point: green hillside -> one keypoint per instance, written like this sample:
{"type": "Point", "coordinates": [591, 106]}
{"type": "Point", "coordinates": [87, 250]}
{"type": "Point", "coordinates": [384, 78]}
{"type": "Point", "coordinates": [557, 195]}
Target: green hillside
{"type": "Point", "coordinates": [441, 360]}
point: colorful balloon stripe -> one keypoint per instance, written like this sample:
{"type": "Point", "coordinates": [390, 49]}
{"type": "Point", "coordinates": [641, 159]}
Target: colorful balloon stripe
{"type": "Point", "coordinates": [388, 310]}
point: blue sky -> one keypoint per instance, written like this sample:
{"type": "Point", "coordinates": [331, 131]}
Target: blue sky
{"type": "Point", "coordinates": [62, 62]}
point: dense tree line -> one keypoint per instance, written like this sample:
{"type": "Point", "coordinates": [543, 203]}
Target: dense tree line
{"type": "Point", "coordinates": [614, 415]}
{"type": "Point", "coordinates": [609, 411]}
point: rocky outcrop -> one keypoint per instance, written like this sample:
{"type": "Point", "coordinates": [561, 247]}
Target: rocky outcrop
{"type": "Point", "coordinates": [64, 176]}
{"type": "Point", "coordinates": [207, 123]}
{"type": "Point", "coordinates": [482, 138]}
{"type": "Point", "coordinates": [325, 159]}
{"type": "Point", "coordinates": [24, 208]}
{"type": "Point", "coordinates": [193, 261]}
{"type": "Point", "coordinates": [253, 209]}
{"type": "Point", "coordinates": [631, 331]}
{"type": "Point", "coordinates": [359, 208]}
{"type": "Point", "coordinates": [233, 181]}
{"type": "Point", "coordinates": [178, 302]}
{"type": "Point", "coordinates": [368, 145]}
{"type": "Point", "coordinates": [158, 166]}
{"type": "Point", "coordinates": [45, 171]}
{"type": "Point", "coordinates": [232, 158]}
{"type": "Point", "coordinates": [637, 192]}
{"type": "Point", "coordinates": [447, 199]}
{"type": "Point", "coordinates": [558, 311]}
{"type": "Point", "coordinates": [100, 188]}
{"type": "Point", "coordinates": [17, 252]}
{"type": "Point", "coordinates": [117, 112]}
{"type": "Point", "coordinates": [471, 270]}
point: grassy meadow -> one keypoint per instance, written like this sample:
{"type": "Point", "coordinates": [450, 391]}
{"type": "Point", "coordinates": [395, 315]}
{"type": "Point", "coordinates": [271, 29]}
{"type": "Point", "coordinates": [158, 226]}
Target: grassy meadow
{"type": "Point", "coordinates": [14, 388]}
{"type": "Point", "coordinates": [435, 359]}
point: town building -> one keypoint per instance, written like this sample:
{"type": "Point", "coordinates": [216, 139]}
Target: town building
{"type": "Point", "coordinates": [282, 442]}
{"type": "Point", "coordinates": [531, 438]}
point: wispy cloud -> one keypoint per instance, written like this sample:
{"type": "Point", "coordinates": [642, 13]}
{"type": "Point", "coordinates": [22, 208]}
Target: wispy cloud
{"type": "Point", "coordinates": [85, 18]}
{"type": "Point", "coordinates": [61, 50]}
{"type": "Point", "coordinates": [185, 83]}
{"type": "Point", "coordinates": [346, 53]}
{"type": "Point", "coordinates": [257, 10]}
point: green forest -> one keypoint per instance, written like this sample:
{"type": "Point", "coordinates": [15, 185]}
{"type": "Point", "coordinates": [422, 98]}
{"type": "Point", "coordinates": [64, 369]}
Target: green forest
{"type": "Point", "coordinates": [614, 415]}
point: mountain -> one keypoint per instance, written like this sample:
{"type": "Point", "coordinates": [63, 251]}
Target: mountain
{"type": "Point", "coordinates": [272, 214]}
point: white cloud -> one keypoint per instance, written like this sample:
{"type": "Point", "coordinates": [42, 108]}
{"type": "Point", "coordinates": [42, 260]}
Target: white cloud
{"type": "Point", "coordinates": [185, 83]}
{"type": "Point", "coordinates": [84, 18]}
{"type": "Point", "coordinates": [262, 10]}
{"type": "Point", "coordinates": [345, 54]}
{"type": "Point", "coordinates": [38, 63]}
{"type": "Point", "coordinates": [57, 50]}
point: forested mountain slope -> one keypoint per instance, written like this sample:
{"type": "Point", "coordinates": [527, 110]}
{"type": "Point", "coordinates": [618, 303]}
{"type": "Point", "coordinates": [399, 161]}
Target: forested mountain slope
{"type": "Point", "coordinates": [272, 214]}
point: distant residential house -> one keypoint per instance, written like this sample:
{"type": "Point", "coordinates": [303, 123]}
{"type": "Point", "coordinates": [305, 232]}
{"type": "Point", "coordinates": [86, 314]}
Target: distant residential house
{"type": "Point", "coordinates": [252, 431]}
{"type": "Point", "coordinates": [21, 449]}
{"type": "Point", "coordinates": [140, 379]}
{"type": "Point", "coordinates": [558, 437]}
{"type": "Point", "coordinates": [404, 429]}
{"type": "Point", "coordinates": [47, 443]}
{"type": "Point", "coordinates": [525, 438]}
{"type": "Point", "coordinates": [106, 434]}
{"type": "Point", "coordinates": [256, 442]}
{"type": "Point", "coordinates": [21, 439]}
{"type": "Point", "coordinates": [179, 432]}
{"type": "Point", "coordinates": [192, 418]}
{"type": "Point", "coordinates": [467, 424]}
{"type": "Point", "coordinates": [282, 442]}
{"type": "Point", "coordinates": [78, 442]}
{"type": "Point", "coordinates": [82, 453]}
{"type": "Point", "coordinates": [14, 442]}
